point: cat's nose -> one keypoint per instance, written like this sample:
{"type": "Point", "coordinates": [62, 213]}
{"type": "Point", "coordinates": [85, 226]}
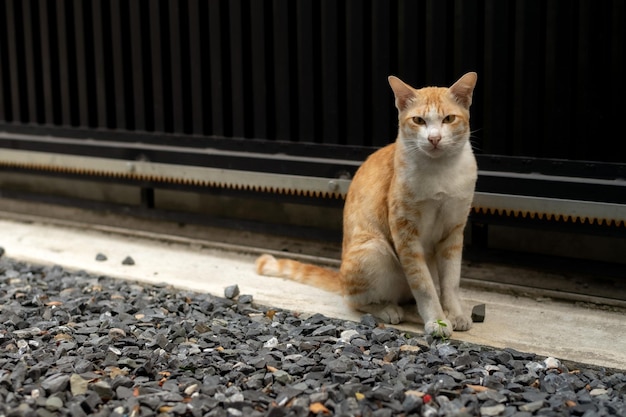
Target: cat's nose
{"type": "Point", "coordinates": [434, 139]}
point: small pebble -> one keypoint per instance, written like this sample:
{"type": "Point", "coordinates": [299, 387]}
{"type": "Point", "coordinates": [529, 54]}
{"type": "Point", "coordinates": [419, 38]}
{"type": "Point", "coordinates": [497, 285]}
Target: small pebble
{"type": "Point", "coordinates": [551, 363]}
{"type": "Point", "coordinates": [128, 261]}
{"type": "Point", "coordinates": [116, 333]}
{"type": "Point", "coordinates": [103, 389]}
{"type": "Point", "coordinates": [231, 291]}
{"type": "Point", "coordinates": [101, 257]}
{"type": "Point", "coordinates": [78, 385]}
{"type": "Point", "coordinates": [493, 410]}
{"type": "Point", "coordinates": [369, 320]}
{"type": "Point", "coordinates": [191, 389]}
{"type": "Point", "coordinates": [478, 313]}
{"type": "Point", "coordinates": [245, 299]}
{"type": "Point", "coordinates": [53, 403]}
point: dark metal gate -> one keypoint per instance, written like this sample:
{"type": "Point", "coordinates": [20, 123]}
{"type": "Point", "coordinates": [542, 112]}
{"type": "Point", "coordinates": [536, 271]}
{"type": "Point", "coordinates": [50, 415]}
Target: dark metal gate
{"type": "Point", "coordinates": [232, 84]}
{"type": "Point", "coordinates": [315, 71]}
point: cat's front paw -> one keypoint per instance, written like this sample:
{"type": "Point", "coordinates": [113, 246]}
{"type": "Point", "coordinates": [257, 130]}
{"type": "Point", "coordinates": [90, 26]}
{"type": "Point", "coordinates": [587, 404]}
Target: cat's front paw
{"type": "Point", "coordinates": [461, 322]}
{"type": "Point", "coordinates": [439, 328]}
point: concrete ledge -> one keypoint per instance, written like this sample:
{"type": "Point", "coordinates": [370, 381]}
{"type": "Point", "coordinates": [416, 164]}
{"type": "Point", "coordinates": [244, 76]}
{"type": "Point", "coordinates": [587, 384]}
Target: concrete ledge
{"type": "Point", "coordinates": [539, 325]}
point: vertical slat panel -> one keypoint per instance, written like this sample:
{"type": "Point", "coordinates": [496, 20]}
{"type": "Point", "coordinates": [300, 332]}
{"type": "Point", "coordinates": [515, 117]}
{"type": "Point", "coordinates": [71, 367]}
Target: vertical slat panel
{"type": "Point", "coordinates": [618, 46]}
{"type": "Point", "coordinates": [117, 45]}
{"type": "Point", "coordinates": [282, 74]}
{"type": "Point", "coordinates": [12, 25]}
{"type": "Point", "coordinates": [196, 68]}
{"type": "Point", "coordinates": [437, 41]}
{"type": "Point", "coordinates": [410, 25]}
{"type": "Point", "coordinates": [554, 103]}
{"type": "Point", "coordinates": [217, 87]}
{"type": "Point", "coordinates": [156, 67]}
{"type": "Point", "coordinates": [4, 116]}
{"type": "Point", "coordinates": [99, 63]}
{"type": "Point", "coordinates": [382, 111]}
{"type": "Point", "coordinates": [176, 69]}
{"type": "Point", "coordinates": [535, 50]}
{"type": "Point", "coordinates": [356, 68]}
{"type": "Point", "coordinates": [64, 84]}
{"type": "Point", "coordinates": [261, 105]}
{"type": "Point", "coordinates": [306, 71]}
{"type": "Point", "coordinates": [331, 128]}
{"type": "Point", "coordinates": [496, 74]}
{"type": "Point", "coordinates": [584, 32]}
{"type": "Point", "coordinates": [81, 63]}
{"type": "Point", "coordinates": [518, 76]}
{"type": "Point", "coordinates": [592, 106]}
{"type": "Point", "coordinates": [529, 47]}
{"type": "Point", "coordinates": [238, 115]}
{"type": "Point", "coordinates": [29, 61]}
{"type": "Point", "coordinates": [617, 65]}
{"type": "Point", "coordinates": [466, 40]}
{"type": "Point", "coordinates": [137, 63]}
{"type": "Point", "coordinates": [46, 64]}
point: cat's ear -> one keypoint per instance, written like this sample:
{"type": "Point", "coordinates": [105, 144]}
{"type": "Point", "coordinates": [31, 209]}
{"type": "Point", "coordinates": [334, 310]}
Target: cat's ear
{"type": "Point", "coordinates": [463, 89]}
{"type": "Point", "coordinates": [403, 92]}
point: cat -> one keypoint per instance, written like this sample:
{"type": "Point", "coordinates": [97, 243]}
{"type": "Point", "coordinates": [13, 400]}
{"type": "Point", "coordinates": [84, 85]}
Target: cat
{"type": "Point", "coordinates": [404, 216]}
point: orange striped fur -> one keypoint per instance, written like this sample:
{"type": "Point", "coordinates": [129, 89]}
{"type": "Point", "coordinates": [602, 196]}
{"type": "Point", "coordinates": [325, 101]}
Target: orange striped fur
{"type": "Point", "coordinates": [404, 216]}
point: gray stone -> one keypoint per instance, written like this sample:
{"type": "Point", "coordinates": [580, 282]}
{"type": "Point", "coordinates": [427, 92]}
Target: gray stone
{"type": "Point", "coordinates": [478, 313]}
{"type": "Point", "coordinates": [54, 403]}
{"type": "Point", "coordinates": [493, 410]}
{"type": "Point", "coordinates": [91, 402]}
{"type": "Point", "coordinates": [532, 406]}
{"type": "Point", "coordinates": [78, 384]}
{"type": "Point", "coordinates": [328, 330]}
{"type": "Point", "coordinates": [245, 298]}
{"type": "Point", "coordinates": [282, 377]}
{"type": "Point", "coordinates": [340, 365]}
{"type": "Point", "coordinates": [231, 291]}
{"type": "Point", "coordinates": [103, 389]}
{"type": "Point", "coordinates": [369, 320]}
{"type": "Point", "coordinates": [55, 383]}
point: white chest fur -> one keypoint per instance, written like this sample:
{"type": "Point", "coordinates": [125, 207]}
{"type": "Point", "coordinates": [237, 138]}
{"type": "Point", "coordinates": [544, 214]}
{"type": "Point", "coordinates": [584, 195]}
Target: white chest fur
{"type": "Point", "coordinates": [439, 193]}
{"type": "Point", "coordinates": [449, 177]}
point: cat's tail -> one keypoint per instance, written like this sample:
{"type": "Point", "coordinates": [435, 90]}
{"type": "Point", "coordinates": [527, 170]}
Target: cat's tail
{"type": "Point", "coordinates": [316, 276]}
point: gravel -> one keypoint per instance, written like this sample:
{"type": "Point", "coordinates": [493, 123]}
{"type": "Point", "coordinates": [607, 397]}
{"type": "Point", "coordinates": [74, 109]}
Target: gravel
{"type": "Point", "coordinates": [77, 344]}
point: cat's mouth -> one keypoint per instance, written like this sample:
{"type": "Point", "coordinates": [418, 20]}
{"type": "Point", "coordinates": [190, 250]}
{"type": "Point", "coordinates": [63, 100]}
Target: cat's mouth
{"type": "Point", "coordinates": [434, 151]}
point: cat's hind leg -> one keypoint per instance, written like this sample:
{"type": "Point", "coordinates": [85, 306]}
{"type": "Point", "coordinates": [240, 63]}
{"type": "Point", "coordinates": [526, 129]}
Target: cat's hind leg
{"type": "Point", "coordinates": [373, 281]}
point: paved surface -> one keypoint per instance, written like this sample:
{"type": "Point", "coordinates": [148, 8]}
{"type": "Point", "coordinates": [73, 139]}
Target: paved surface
{"type": "Point", "coordinates": [564, 330]}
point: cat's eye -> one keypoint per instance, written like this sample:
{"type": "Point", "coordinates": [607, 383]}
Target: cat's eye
{"type": "Point", "coordinates": [449, 118]}
{"type": "Point", "coordinates": [418, 120]}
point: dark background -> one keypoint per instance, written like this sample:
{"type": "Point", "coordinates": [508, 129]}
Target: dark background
{"type": "Point", "coordinates": [551, 73]}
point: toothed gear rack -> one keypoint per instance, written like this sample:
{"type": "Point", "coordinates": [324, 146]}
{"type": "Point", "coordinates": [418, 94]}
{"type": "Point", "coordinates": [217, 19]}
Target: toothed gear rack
{"type": "Point", "coordinates": [509, 189]}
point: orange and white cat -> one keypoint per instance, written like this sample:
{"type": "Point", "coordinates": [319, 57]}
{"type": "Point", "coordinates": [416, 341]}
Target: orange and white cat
{"type": "Point", "coordinates": [404, 216]}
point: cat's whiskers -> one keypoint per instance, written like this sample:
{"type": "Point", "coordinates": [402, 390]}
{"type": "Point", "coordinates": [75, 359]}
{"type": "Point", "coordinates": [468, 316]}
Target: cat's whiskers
{"type": "Point", "coordinates": [415, 149]}
{"type": "Point", "coordinates": [412, 146]}
{"type": "Point", "coordinates": [474, 139]}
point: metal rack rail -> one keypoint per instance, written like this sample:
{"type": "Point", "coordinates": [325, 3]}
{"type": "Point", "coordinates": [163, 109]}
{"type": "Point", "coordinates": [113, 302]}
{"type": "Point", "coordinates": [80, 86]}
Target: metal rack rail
{"type": "Point", "coordinates": [517, 196]}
